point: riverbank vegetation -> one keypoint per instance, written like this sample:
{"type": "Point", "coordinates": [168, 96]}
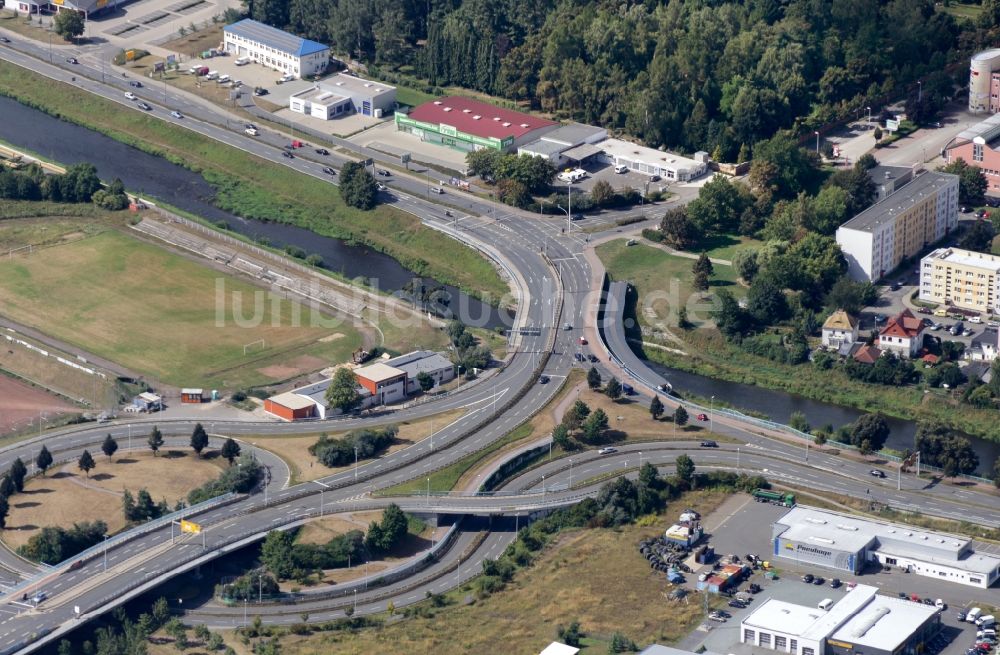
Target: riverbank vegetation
{"type": "Point", "coordinates": [255, 188]}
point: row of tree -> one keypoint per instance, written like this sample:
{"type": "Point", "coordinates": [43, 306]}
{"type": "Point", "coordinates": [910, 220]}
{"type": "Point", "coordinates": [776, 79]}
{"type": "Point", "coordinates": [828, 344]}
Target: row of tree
{"type": "Point", "coordinates": [357, 444]}
{"type": "Point", "coordinates": [78, 184]}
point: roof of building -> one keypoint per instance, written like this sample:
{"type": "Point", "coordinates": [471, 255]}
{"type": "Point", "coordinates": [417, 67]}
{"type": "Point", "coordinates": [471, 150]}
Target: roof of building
{"type": "Point", "coordinates": [478, 118]}
{"type": "Point", "coordinates": [149, 397]}
{"type": "Point", "coordinates": [192, 391]}
{"type": "Point", "coordinates": [378, 372]}
{"type": "Point", "coordinates": [275, 38]}
{"type": "Point", "coordinates": [558, 648]}
{"type": "Point", "coordinates": [784, 617]}
{"type": "Point", "coordinates": [657, 649]}
{"type": "Point", "coordinates": [849, 605]}
{"type": "Point", "coordinates": [633, 152]}
{"type": "Point", "coordinates": [840, 320]}
{"type": "Point", "coordinates": [965, 258]}
{"type": "Point", "coordinates": [867, 354]}
{"type": "Point", "coordinates": [851, 533]}
{"type": "Point", "coordinates": [884, 623]}
{"type": "Point", "coordinates": [542, 147]}
{"type": "Point", "coordinates": [292, 400]}
{"type": "Point", "coordinates": [930, 358]}
{"type": "Point", "coordinates": [986, 130]}
{"type": "Point", "coordinates": [420, 360]}
{"type": "Point", "coordinates": [986, 55]}
{"type": "Point", "coordinates": [352, 83]}
{"type": "Point", "coordinates": [318, 96]}
{"type": "Point", "coordinates": [582, 151]}
{"type": "Point", "coordinates": [924, 184]}
{"type": "Point", "coordinates": [573, 134]}
{"type": "Point", "coordinates": [904, 325]}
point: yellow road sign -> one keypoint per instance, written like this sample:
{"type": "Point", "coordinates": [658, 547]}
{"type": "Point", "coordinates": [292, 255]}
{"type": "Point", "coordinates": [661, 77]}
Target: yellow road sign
{"type": "Point", "coordinates": [190, 526]}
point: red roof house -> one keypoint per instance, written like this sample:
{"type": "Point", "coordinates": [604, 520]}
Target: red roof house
{"type": "Point", "coordinates": [867, 354]}
{"type": "Point", "coordinates": [903, 334]}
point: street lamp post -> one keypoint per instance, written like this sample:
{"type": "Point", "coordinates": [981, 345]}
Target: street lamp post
{"type": "Point", "coordinates": [570, 473]}
{"type": "Point", "coordinates": [711, 415]}
{"type": "Point", "coordinates": [869, 114]}
{"type": "Point", "coordinates": [920, 90]}
{"type": "Point", "coordinates": [106, 552]}
{"type": "Point", "coordinates": [569, 203]}
{"type": "Point", "coordinates": [355, 463]}
{"type": "Point", "coordinates": [816, 132]}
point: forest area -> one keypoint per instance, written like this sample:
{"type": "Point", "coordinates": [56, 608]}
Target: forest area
{"type": "Point", "coordinates": [712, 75]}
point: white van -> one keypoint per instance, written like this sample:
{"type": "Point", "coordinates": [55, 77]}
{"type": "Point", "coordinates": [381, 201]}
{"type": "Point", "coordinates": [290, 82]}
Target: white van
{"type": "Point", "coordinates": [212, 75]}
{"type": "Point", "coordinates": [242, 61]}
{"type": "Point", "coordinates": [987, 621]}
{"type": "Point", "coordinates": [825, 604]}
{"type": "Point", "coordinates": [621, 168]}
{"type": "Point", "coordinates": [223, 79]}
{"type": "Point", "coordinates": [976, 319]}
{"type": "Point", "coordinates": [973, 614]}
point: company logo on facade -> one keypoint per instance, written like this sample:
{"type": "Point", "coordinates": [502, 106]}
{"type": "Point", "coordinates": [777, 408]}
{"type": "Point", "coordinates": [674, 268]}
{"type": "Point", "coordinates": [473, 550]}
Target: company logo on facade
{"type": "Point", "coordinates": [813, 550]}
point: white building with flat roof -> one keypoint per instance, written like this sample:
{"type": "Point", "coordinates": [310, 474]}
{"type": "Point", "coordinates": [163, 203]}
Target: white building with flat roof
{"type": "Point", "coordinates": [274, 48]}
{"type": "Point", "coordinates": [341, 95]}
{"type": "Point", "coordinates": [845, 542]}
{"type": "Point", "coordinates": [641, 159]}
{"type": "Point", "coordinates": [961, 278]}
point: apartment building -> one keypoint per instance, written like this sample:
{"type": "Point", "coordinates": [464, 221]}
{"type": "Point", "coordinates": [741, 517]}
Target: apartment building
{"type": "Point", "coordinates": [912, 214]}
{"type": "Point", "coordinates": [961, 278]}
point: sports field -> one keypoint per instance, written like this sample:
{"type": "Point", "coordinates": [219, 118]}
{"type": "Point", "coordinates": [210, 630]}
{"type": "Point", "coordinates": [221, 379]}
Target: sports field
{"type": "Point", "coordinates": [165, 316]}
{"type": "Point", "coordinates": [22, 404]}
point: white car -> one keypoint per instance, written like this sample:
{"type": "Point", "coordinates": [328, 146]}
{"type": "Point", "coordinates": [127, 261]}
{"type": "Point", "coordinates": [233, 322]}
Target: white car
{"type": "Point", "coordinates": [176, 114]}
{"type": "Point", "coordinates": [129, 95]}
{"type": "Point", "coordinates": [251, 131]}
{"type": "Point", "coordinates": [607, 450]}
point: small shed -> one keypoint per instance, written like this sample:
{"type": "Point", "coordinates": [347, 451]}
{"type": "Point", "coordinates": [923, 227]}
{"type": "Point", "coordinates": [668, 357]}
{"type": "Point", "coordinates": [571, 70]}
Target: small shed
{"type": "Point", "coordinates": [192, 396]}
{"type": "Point", "coordinates": [147, 402]}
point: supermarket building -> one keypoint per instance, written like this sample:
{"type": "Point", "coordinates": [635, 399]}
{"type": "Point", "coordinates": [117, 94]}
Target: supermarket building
{"type": "Point", "coordinates": [468, 125]}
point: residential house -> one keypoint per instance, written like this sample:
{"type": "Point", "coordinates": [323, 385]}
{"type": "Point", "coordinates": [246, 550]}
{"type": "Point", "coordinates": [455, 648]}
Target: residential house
{"type": "Point", "coordinates": [903, 335]}
{"type": "Point", "coordinates": [867, 354]}
{"type": "Point", "coordinates": [839, 329]}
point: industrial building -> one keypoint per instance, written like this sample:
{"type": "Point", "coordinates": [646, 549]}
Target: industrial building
{"type": "Point", "coordinates": [641, 159]}
{"type": "Point", "coordinates": [961, 278]}
{"type": "Point", "coordinates": [846, 543]}
{"type": "Point", "coordinates": [977, 146]}
{"type": "Point", "coordinates": [467, 125]}
{"type": "Point", "coordinates": [275, 48]}
{"type": "Point", "coordinates": [387, 381]}
{"type": "Point", "coordinates": [918, 208]}
{"type": "Point", "coordinates": [861, 622]}
{"type": "Point", "coordinates": [570, 144]}
{"type": "Point", "coordinates": [342, 95]}
{"type": "Point", "coordinates": [984, 83]}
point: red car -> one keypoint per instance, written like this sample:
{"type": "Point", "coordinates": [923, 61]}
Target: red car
{"type": "Point", "coordinates": [702, 417]}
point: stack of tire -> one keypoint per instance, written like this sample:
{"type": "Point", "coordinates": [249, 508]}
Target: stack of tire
{"type": "Point", "coordinates": [662, 554]}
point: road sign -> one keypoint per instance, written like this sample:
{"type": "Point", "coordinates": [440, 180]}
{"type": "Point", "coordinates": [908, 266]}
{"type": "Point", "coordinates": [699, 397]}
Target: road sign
{"type": "Point", "coordinates": [190, 526]}
{"type": "Point", "coordinates": [404, 158]}
{"type": "Point", "coordinates": [891, 124]}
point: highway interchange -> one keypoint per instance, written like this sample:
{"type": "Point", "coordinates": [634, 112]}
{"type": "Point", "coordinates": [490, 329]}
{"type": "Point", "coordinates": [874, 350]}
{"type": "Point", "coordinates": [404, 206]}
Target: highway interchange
{"type": "Point", "coordinates": [553, 290]}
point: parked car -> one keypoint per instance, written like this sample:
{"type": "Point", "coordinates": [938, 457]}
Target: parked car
{"type": "Point", "coordinates": [835, 583]}
{"type": "Point", "coordinates": [738, 604]}
{"type": "Point", "coordinates": [819, 581]}
{"type": "Point", "coordinates": [960, 616]}
{"type": "Point", "coordinates": [807, 578]}
{"type": "Point", "coordinates": [992, 202]}
{"type": "Point", "coordinates": [923, 310]}
{"type": "Point", "coordinates": [876, 473]}
{"type": "Point", "coordinates": [702, 417]}
{"type": "Point", "coordinates": [607, 450]}
{"type": "Point", "coordinates": [260, 91]}
{"type": "Point", "coordinates": [322, 151]}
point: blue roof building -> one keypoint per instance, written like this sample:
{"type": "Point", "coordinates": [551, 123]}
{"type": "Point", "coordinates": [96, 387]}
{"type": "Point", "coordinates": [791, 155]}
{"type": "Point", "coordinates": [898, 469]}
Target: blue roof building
{"type": "Point", "coordinates": [254, 41]}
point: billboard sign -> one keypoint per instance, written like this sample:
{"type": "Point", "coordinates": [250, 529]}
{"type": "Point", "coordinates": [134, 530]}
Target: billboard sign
{"type": "Point", "coordinates": [891, 124]}
{"type": "Point", "coordinates": [190, 526]}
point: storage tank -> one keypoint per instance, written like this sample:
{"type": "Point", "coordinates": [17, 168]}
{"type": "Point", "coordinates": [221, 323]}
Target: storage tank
{"type": "Point", "coordinates": [980, 77]}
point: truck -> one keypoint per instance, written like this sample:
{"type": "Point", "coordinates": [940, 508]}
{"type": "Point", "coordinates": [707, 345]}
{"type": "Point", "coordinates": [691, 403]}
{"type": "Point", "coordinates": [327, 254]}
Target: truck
{"type": "Point", "coordinates": [774, 497]}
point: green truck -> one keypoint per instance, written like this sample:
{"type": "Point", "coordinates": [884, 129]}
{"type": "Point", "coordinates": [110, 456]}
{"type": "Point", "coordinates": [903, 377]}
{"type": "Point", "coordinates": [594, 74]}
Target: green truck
{"type": "Point", "coordinates": [774, 497]}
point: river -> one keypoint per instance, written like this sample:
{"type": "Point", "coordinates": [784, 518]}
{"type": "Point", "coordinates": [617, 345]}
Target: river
{"type": "Point", "coordinates": [155, 177]}
{"type": "Point", "coordinates": [779, 406]}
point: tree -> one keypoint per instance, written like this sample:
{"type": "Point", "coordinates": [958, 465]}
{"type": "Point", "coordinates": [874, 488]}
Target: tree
{"type": "Point", "coordinates": [745, 263]}
{"type": "Point", "coordinates": [613, 389]}
{"type": "Point", "coordinates": [940, 446]}
{"type": "Point", "coordinates": [357, 186]}
{"type": "Point", "coordinates": [575, 415]}
{"type": "Point", "coordinates": [18, 471]}
{"type": "Point", "coordinates": [560, 437]}
{"type": "Point", "coordinates": [7, 487]}
{"type": "Point", "coordinates": [766, 302]}
{"type": "Point", "coordinates": [602, 193]}
{"type": "Point", "coordinates": [594, 378]}
{"type": "Point", "coordinates": [230, 450]}
{"type": "Point", "coordinates": [86, 463]}
{"type": "Point", "coordinates": [719, 206]}
{"type": "Point", "coordinates": [996, 473]}
{"type": "Point", "coordinates": [343, 393]}
{"type": "Point", "coordinates": [685, 469]}
{"type": "Point", "coordinates": [978, 237]}
{"type": "Point", "coordinates": [68, 24]}
{"type": "Point", "coordinates": [700, 281]}
{"type": "Point", "coordinates": [160, 612]}
{"type": "Point", "coordinates": [680, 416]}
{"type": "Point", "coordinates": [595, 424]}
{"type": "Point", "coordinates": [199, 439]}
{"type": "Point", "coordinates": [109, 446]}
{"type": "Point", "coordinates": [677, 229]}
{"type": "Point", "coordinates": [394, 526]}
{"type": "Point", "coordinates": [155, 440]}
{"type": "Point", "coordinates": [44, 459]}
{"type": "Point", "coordinates": [656, 408]}
{"type": "Point", "coordinates": [4, 509]}
{"type": "Point", "coordinates": [972, 183]}
{"type": "Point", "coordinates": [571, 634]}
{"type": "Point", "coordinates": [425, 380]}
{"type": "Point", "coordinates": [870, 432]}
{"type": "Point", "coordinates": [877, 134]}
{"type": "Point", "coordinates": [276, 553]}
{"type": "Point", "coordinates": [703, 264]}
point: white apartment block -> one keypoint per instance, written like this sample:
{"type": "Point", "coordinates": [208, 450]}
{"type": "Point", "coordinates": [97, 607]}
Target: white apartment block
{"type": "Point", "coordinates": [961, 278]}
{"type": "Point", "coordinates": [274, 48]}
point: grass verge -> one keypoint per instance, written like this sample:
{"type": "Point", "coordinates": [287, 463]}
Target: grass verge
{"type": "Point", "coordinates": [259, 189]}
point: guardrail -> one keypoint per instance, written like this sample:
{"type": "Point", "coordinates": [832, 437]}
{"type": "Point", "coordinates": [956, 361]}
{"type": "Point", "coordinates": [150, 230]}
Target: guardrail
{"type": "Point", "coordinates": [121, 538]}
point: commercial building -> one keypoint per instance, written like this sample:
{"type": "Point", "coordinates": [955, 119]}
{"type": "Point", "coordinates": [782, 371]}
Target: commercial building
{"type": "Point", "coordinates": [657, 649]}
{"type": "Point", "coordinates": [653, 162]}
{"type": "Point", "coordinates": [845, 543]}
{"type": "Point", "coordinates": [385, 383]}
{"type": "Point", "coordinates": [861, 622]}
{"type": "Point", "coordinates": [147, 402]}
{"type": "Point", "coordinates": [275, 48]}
{"type": "Point", "coordinates": [902, 334]}
{"type": "Point", "coordinates": [439, 367]}
{"type": "Point", "coordinates": [467, 125]}
{"type": "Point", "coordinates": [984, 83]}
{"type": "Point", "coordinates": [839, 329]}
{"type": "Point", "coordinates": [961, 278]}
{"type": "Point", "coordinates": [920, 209]}
{"type": "Point", "coordinates": [291, 406]}
{"type": "Point", "coordinates": [343, 94]}
{"type": "Point", "coordinates": [570, 144]}
{"type": "Point", "coordinates": [977, 146]}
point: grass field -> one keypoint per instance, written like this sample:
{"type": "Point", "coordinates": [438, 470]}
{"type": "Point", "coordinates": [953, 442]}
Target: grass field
{"type": "Point", "coordinates": [194, 43]}
{"type": "Point", "coordinates": [663, 281]}
{"type": "Point", "coordinates": [255, 188]}
{"type": "Point", "coordinates": [970, 10]}
{"type": "Point", "coordinates": [596, 577]}
{"type": "Point", "coordinates": [156, 312]}
{"type": "Point", "coordinates": [66, 495]}
{"type": "Point", "coordinates": [33, 30]}
{"type": "Point", "coordinates": [724, 246]}
{"type": "Point", "coordinates": [294, 449]}
{"type": "Point", "coordinates": [409, 96]}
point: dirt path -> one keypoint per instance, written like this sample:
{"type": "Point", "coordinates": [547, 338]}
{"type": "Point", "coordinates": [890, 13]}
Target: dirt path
{"type": "Point", "coordinates": [86, 483]}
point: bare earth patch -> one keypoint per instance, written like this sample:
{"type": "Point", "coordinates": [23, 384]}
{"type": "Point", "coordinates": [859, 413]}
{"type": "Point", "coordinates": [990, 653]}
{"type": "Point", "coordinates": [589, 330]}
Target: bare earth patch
{"type": "Point", "coordinates": [66, 495]}
{"type": "Point", "coordinates": [20, 403]}
{"type": "Point", "coordinates": [333, 337]}
{"type": "Point", "coordinates": [295, 449]}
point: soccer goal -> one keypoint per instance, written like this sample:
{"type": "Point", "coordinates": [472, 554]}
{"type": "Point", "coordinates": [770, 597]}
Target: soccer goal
{"type": "Point", "coordinates": [23, 250]}
{"type": "Point", "coordinates": [254, 346]}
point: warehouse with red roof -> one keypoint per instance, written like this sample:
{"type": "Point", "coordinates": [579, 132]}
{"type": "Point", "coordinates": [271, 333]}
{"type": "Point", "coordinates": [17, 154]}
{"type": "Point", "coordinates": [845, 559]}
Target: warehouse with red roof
{"type": "Point", "coordinates": [466, 124]}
